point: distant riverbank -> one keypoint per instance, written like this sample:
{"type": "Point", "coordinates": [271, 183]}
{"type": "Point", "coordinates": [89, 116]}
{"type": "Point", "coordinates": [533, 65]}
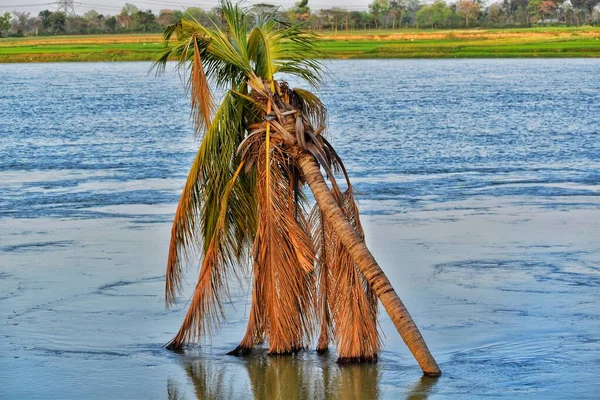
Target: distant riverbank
{"type": "Point", "coordinates": [406, 43]}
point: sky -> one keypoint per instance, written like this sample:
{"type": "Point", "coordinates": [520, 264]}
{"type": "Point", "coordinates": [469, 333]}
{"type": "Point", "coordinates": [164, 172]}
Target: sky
{"type": "Point", "coordinates": [114, 6]}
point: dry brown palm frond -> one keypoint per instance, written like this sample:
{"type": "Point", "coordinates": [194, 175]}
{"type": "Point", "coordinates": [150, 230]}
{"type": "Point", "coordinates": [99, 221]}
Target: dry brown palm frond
{"type": "Point", "coordinates": [255, 330]}
{"type": "Point", "coordinates": [283, 227]}
{"type": "Point", "coordinates": [344, 306]}
{"type": "Point", "coordinates": [318, 234]}
{"type": "Point", "coordinates": [284, 257]}
{"type": "Point", "coordinates": [357, 336]}
{"type": "Point", "coordinates": [202, 101]}
{"type": "Point", "coordinates": [310, 106]}
{"type": "Point", "coordinates": [347, 306]}
{"type": "Point", "coordinates": [353, 306]}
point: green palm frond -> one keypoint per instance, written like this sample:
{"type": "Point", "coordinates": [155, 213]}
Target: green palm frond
{"type": "Point", "coordinates": [291, 50]}
{"type": "Point", "coordinates": [237, 28]}
{"type": "Point", "coordinates": [200, 204]}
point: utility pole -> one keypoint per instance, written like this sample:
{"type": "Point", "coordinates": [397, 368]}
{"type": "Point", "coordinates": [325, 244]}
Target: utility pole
{"type": "Point", "coordinates": [66, 6]}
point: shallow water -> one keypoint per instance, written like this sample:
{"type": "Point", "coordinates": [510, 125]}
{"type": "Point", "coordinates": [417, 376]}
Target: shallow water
{"type": "Point", "coordinates": [480, 185]}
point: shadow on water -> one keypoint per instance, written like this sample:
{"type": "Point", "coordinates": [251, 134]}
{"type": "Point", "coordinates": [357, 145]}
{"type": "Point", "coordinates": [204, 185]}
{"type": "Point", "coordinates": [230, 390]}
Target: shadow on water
{"type": "Point", "coordinates": [286, 378]}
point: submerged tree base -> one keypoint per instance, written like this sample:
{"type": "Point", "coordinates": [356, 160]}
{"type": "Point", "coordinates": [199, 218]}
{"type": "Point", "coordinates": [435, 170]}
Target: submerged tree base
{"type": "Point", "coordinates": [174, 347]}
{"type": "Point", "coordinates": [240, 351]}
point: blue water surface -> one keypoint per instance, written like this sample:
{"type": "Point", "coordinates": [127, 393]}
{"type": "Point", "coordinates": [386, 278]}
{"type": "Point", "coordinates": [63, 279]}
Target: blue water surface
{"type": "Point", "coordinates": [479, 185]}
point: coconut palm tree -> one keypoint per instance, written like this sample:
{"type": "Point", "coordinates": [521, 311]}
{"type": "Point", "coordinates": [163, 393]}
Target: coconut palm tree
{"type": "Point", "coordinates": [245, 203]}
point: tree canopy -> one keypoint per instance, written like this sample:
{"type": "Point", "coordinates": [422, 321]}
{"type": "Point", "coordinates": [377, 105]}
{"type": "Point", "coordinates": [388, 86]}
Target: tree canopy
{"type": "Point", "coordinates": [381, 14]}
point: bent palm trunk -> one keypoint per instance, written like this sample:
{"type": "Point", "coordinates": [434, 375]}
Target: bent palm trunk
{"type": "Point", "coordinates": [368, 266]}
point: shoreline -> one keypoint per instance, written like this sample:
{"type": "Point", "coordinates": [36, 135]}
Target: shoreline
{"type": "Point", "coordinates": [550, 42]}
{"type": "Point", "coordinates": [59, 60]}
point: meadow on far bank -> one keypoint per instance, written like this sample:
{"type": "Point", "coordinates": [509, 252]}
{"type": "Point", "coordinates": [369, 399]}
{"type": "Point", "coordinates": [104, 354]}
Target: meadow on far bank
{"type": "Point", "coordinates": [400, 43]}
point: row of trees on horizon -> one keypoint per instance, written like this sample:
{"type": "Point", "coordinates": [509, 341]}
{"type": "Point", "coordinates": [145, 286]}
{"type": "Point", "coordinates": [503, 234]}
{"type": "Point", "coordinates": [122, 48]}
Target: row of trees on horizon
{"type": "Point", "coordinates": [382, 14]}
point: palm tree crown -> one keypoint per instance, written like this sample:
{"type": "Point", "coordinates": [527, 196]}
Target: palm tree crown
{"type": "Point", "coordinates": [245, 201]}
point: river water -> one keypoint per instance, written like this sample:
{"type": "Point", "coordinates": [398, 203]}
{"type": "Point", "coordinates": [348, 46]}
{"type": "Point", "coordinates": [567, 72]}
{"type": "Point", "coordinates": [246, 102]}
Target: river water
{"type": "Point", "coordinates": [479, 186]}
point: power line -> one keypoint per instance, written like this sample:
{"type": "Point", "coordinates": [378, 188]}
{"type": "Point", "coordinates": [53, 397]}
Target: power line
{"type": "Point", "coordinates": [100, 7]}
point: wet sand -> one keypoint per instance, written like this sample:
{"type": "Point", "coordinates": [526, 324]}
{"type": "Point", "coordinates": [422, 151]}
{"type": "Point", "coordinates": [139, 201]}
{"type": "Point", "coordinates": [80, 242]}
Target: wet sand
{"type": "Point", "coordinates": [504, 298]}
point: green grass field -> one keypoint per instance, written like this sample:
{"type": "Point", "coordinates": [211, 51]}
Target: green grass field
{"type": "Point", "coordinates": [405, 43]}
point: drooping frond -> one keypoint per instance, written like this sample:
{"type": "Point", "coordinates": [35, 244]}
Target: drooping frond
{"type": "Point", "coordinates": [353, 303]}
{"type": "Point", "coordinates": [218, 151]}
{"type": "Point", "coordinates": [319, 236]}
{"type": "Point", "coordinates": [202, 102]}
{"type": "Point", "coordinates": [184, 229]}
{"type": "Point", "coordinates": [348, 307]}
{"type": "Point", "coordinates": [206, 307]}
{"type": "Point", "coordinates": [311, 107]}
{"type": "Point", "coordinates": [283, 251]}
{"type": "Point", "coordinates": [200, 204]}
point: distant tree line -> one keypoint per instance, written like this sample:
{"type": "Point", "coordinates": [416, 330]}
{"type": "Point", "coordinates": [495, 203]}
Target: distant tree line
{"type": "Point", "coordinates": [382, 14]}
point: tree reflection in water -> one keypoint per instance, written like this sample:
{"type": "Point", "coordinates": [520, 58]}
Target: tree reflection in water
{"type": "Point", "coordinates": [286, 378]}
